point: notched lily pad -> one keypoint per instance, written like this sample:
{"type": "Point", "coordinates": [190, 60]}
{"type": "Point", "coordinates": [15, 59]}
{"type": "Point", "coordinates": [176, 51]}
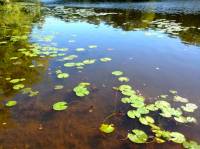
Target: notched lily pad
{"type": "Point", "coordinates": [81, 90]}
{"type": "Point", "coordinates": [138, 136]}
{"type": "Point", "coordinates": [59, 106]}
{"type": "Point", "coordinates": [107, 128]}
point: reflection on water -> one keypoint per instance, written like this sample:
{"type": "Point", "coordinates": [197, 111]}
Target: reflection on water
{"type": "Point", "coordinates": [153, 49]}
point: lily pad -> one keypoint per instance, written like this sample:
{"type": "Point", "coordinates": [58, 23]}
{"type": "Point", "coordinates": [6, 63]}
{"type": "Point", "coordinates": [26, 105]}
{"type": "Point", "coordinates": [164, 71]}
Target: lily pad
{"type": "Point", "coordinates": [89, 61]}
{"type": "Point", "coordinates": [117, 73]}
{"type": "Point", "coordinates": [70, 64]}
{"type": "Point", "coordinates": [105, 59]}
{"type": "Point", "coordinates": [191, 145]}
{"type": "Point", "coordinates": [138, 136]}
{"type": "Point", "coordinates": [58, 87]}
{"type": "Point", "coordinates": [177, 137]}
{"type": "Point", "coordinates": [59, 106]}
{"type": "Point", "coordinates": [70, 57]}
{"type": "Point", "coordinates": [189, 107]}
{"type": "Point", "coordinates": [11, 103]}
{"type": "Point", "coordinates": [133, 114]}
{"type": "Point", "coordinates": [18, 86]}
{"type": "Point", "coordinates": [92, 46]}
{"type": "Point", "coordinates": [180, 99]}
{"type": "Point", "coordinates": [81, 90]}
{"type": "Point", "coordinates": [123, 79]}
{"type": "Point", "coordinates": [62, 75]}
{"type": "Point", "coordinates": [80, 49]}
{"type": "Point", "coordinates": [107, 128]}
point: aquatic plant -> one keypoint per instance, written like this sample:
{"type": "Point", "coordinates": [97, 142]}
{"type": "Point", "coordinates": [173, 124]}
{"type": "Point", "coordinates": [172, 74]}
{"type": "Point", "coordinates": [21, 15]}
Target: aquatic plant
{"type": "Point", "coordinates": [11, 103]}
{"type": "Point", "coordinates": [123, 79]}
{"type": "Point", "coordinates": [105, 59]}
{"type": "Point", "coordinates": [117, 73]}
{"type": "Point", "coordinates": [107, 128]}
{"type": "Point", "coordinates": [59, 106]}
{"type": "Point", "coordinates": [81, 90]}
{"type": "Point", "coordinates": [137, 136]}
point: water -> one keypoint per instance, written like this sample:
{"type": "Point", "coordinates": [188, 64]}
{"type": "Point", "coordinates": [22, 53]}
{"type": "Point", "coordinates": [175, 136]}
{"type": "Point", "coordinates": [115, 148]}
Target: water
{"type": "Point", "coordinates": [155, 56]}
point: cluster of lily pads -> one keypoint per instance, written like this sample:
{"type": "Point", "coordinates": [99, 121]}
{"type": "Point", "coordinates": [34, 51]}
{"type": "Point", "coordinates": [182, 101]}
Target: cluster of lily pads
{"type": "Point", "coordinates": [17, 85]}
{"type": "Point", "coordinates": [81, 89]}
{"type": "Point", "coordinates": [141, 111]}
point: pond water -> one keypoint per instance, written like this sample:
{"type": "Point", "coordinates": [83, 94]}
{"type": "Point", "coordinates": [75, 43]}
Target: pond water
{"type": "Point", "coordinates": [157, 52]}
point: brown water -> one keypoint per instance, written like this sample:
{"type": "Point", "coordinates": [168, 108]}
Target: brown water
{"type": "Point", "coordinates": [155, 57]}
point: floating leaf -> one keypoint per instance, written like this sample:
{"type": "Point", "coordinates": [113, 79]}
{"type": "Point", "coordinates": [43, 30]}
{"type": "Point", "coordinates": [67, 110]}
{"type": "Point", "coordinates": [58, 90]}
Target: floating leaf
{"type": "Point", "coordinates": [180, 99]}
{"type": "Point", "coordinates": [58, 87]}
{"type": "Point", "coordinates": [123, 79]}
{"type": "Point", "coordinates": [173, 91]}
{"type": "Point", "coordinates": [92, 46]}
{"type": "Point", "coordinates": [11, 103]}
{"type": "Point", "coordinates": [142, 110]}
{"type": "Point", "coordinates": [70, 64]}
{"type": "Point", "coordinates": [177, 137]}
{"type": "Point", "coordinates": [18, 86]}
{"type": "Point", "coordinates": [164, 96]}
{"type": "Point", "coordinates": [105, 59]}
{"type": "Point", "coordinates": [80, 49]}
{"type": "Point", "coordinates": [16, 80]}
{"type": "Point", "coordinates": [151, 107]}
{"type": "Point", "coordinates": [117, 73]}
{"type": "Point", "coordinates": [59, 106]}
{"type": "Point", "coordinates": [70, 57]}
{"type": "Point", "coordinates": [81, 90]}
{"type": "Point", "coordinates": [63, 75]}
{"type": "Point", "coordinates": [133, 114]}
{"type": "Point", "coordinates": [162, 104]}
{"type": "Point", "coordinates": [189, 107]}
{"type": "Point", "coordinates": [107, 128]}
{"type": "Point", "coordinates": [138, 136]}
{"type": "Point", "coordinates": [89, 61]}
{"type": "Point", "coordinates": [191, 145]}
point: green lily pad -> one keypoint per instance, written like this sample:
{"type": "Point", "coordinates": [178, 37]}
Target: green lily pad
{"type": "Point", "coordinates": [151, 107]}
{"type": "Point", "coordinates": [177, 137]}
{"type": "Point", "coordinates": [180, 99]}
{"type": "Point", "coordinates": [123, 79]}
{"type": "Point", "coordinates": [62, 75]}
{"type": "Point", "coordinates": [142, 110]}
{"type": "Point", "coordinates": [11, 103]}
{"type": "Point", "coordinates": [117, 73]}
{"type": "Point", "coordinates": [189, 107]}
{"type": "Point", "coordinates": [133, 114]}
{"type": "Point", "coordinates": [164, 96]}
{"type": "Point", "coordinates": [16, 80]}
{"type": "Point", "coordinates": [162, 104]}
{"type": "Point", "coordinates": [18, 86]}
{"type": "Point", "coordinates": [81, 90]}
{"type": "Point", "coordinates": [89, 61]}
{"type": "Point", "coordinates": [138, 136]}
{"type": "Point", "coordinates": [70, 57]}
{"type": "Point", "coordinates": [80, 49]}
{"type": "Point", "coordinates": [59, 106]}
{"type": "Point", "coordinates": [58, 87]}
{"type": "Point", "coordinates": [92, 46]}
{"type": "Point", "coordinates": [107, 128]}
{"type": "Point", "coordinates": [105, 59]}
{"type": "Point", "coordinates": [70, 64]}
{"type": "Point", "coordinates": [173, 91]}
{"type": "Point", "coordinates": [191, 145]}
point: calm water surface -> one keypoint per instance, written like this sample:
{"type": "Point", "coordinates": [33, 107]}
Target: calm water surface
{"type": "Point", "coordinates": [145, 45]}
